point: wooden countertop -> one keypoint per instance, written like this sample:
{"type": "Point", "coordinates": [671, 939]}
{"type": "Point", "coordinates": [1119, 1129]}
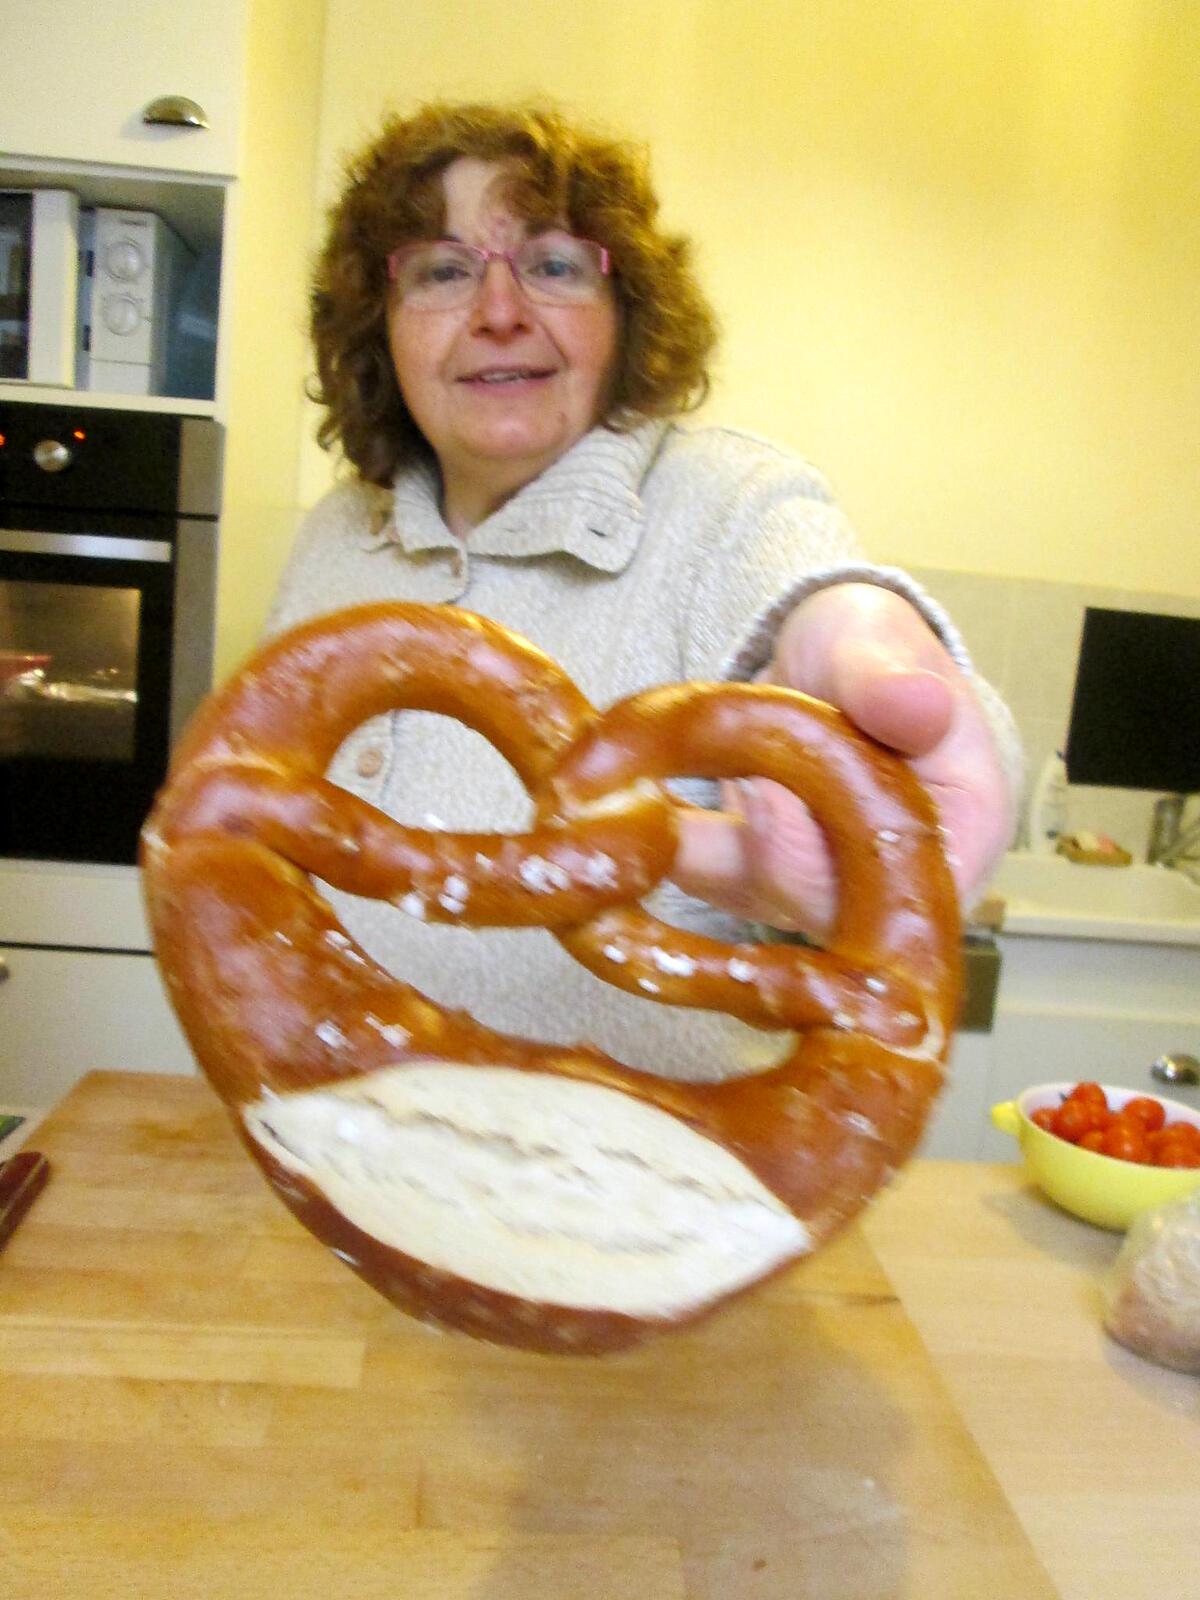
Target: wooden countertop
{"type": "Point", "coordinates": [1096, 1450]}
{"type": "Point", "coordinates": [198, 1400]}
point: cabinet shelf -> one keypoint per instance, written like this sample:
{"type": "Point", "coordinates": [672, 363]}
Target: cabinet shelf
{"type": "Point", "coordinates": [196, 206]}
{"type": "Point", "coordinates": [192, 204]}
{"type": "Point", "coordinates": [93, 400]}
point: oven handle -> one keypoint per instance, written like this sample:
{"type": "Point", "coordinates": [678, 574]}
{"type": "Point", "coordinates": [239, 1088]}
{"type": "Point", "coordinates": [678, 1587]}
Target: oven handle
{"type": "Point", "coordinates": [30, 541]}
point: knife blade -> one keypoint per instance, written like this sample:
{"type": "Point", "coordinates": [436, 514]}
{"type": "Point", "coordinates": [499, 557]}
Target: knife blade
{"type": "Point", "coordinates": [22, 1179]}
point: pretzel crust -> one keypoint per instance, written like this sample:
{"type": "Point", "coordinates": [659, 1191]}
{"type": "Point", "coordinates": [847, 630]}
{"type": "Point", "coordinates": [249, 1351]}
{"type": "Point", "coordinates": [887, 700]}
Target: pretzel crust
{"type": "Point", "coordinates": [278, 1002]}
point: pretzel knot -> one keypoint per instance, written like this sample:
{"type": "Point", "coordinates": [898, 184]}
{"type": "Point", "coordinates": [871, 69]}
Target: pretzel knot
{"type": "Point", "coordinates": [528, 1193]}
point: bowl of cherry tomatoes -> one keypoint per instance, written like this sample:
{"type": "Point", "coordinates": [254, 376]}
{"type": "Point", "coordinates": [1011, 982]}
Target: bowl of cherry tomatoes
{"type": "Point", "coordinates": [1104, 1153]}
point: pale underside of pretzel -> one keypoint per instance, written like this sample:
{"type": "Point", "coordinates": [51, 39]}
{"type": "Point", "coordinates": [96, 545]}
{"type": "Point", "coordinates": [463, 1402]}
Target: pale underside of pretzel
{"type": "Point", "coordinates": [537, 1194]}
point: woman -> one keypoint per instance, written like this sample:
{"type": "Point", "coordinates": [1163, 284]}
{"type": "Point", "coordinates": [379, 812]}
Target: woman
{"type": "Point", "coordinates": [504, 338]}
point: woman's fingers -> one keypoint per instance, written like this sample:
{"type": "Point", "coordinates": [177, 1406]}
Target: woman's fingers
{"type": "Point", "coordinates": [869, 652]}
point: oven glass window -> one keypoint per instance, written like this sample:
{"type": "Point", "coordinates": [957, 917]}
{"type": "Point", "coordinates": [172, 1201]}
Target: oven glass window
{"type": "Point", "coordinates": [68, 671]}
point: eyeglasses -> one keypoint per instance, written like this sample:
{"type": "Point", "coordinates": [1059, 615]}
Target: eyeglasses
{"type": "Point", "coordinates": [552, 268]}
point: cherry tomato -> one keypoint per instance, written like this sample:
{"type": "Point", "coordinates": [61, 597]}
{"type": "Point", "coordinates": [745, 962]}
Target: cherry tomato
{"type": "Point", "coordinates": [1174, 1154]}
{"type": "Point", "coordinates": [1159, 1140]}
{"type": "Point", "coordinates": [1092, 1108]}
{"type": "Point", "coordinates": [1090, 1094]}
{"type": "Point", "coordinates": [1149, 1112]}
{"type": "Point", "coordinates": [1089, 1117]}
{"type": "Point", "coordinates": [1126, 1141]}
{"type": "Point", "coordinates": [1181, 1137]}
{"type": "Point", "coordinates": [1101, 1117]}
{"type": "Point", "coordinates": [1072, 1120]}
{"type": "Point", "coordinates": [1093, 1139]}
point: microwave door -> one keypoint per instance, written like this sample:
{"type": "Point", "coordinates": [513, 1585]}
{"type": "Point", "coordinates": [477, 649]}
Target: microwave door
{"type": "Point", "coordinates": [39, 270]}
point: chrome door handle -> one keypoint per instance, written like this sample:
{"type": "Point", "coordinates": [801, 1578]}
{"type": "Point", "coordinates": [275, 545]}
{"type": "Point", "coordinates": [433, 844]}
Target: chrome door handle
{"type": "Point", "coordinates": [1178, 1069]}
{"type": "Point", "coordinates": [175, 111]}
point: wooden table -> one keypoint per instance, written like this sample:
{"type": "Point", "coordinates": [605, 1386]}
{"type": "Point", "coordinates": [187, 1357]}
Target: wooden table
{"type": "Point", "coordinates": [198, 1400]}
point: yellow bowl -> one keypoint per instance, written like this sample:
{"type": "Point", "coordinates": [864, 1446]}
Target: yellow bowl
{"type": "Point", "coordinates": [1098, 1188]}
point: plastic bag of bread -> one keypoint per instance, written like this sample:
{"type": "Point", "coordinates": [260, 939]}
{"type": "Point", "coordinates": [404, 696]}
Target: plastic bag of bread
{"type": "Point", "coordinates": [1152, 1292]}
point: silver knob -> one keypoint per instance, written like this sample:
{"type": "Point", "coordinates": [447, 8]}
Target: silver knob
{"type": "Point", "coordinates": [52, 455]}
{"type": "Point", "coordinates": [5, 971]}
{"type": "Point", "coordinates": [1177, 1069]}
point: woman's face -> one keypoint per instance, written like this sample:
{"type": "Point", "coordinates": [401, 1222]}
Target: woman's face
{"type": "Point", "coordinates": [500, 387]}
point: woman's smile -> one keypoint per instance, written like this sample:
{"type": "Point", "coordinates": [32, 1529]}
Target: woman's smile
{"type": "Point", "coordinates": [528, 378]}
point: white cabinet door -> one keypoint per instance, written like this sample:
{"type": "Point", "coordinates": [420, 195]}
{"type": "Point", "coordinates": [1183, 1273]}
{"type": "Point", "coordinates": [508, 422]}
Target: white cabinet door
{"type": "Point", "coordinates": [66, 1012]}
{"type": "Point", "coordinates": [77, 77]}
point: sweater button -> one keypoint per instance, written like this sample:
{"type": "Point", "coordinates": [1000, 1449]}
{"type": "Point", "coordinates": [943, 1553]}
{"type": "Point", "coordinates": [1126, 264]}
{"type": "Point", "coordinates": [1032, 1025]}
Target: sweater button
{"type": "Point", "coordinates": [370, 762]}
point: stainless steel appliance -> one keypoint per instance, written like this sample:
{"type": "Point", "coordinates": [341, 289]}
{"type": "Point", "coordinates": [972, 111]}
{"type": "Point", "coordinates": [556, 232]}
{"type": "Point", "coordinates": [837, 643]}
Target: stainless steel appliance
{"type": "Point", "coordinates": [108, 549]}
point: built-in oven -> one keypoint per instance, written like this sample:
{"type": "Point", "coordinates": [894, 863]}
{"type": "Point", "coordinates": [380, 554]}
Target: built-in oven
{"type": "Point", "coordinates": [108, 551]}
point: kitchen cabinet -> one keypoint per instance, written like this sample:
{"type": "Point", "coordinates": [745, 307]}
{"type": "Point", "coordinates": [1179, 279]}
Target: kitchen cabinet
{"type": "Point", "coordinates": [77, 77]}
{"type": "Point", "coordinates": [65, 1012]}
{"type": "Point", "coordinates": [82, 988]}
{"type": "Point", "coordinates": [239, 194]}
{"type": "Point", "coordinates": [79, 986]}
{"type": "Point", "coordinates": [257, 223]}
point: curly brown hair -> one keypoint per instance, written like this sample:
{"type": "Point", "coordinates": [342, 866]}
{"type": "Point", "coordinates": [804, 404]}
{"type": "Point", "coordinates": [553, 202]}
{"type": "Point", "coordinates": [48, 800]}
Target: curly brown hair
{"type": "Point", "coordinates": [598, 185]}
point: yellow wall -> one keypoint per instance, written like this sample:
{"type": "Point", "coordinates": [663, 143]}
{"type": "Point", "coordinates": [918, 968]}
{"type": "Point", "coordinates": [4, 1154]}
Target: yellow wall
{"type": "Point", "coordinates": [272, 222]}
{"type": "Point", "coordinates": [955, 247]}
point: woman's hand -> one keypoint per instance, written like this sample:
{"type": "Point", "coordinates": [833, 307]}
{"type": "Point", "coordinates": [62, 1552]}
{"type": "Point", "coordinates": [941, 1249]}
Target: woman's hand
{"type": "Point", "coordinates": [868, 651]}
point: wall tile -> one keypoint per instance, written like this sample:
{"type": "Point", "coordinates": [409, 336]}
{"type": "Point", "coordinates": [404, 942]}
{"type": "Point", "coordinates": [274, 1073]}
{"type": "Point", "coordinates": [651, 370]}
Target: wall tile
{"type": "Point", "coordinates": [981, 609]}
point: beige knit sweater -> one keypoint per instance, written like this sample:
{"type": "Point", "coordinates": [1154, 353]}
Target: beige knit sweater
{"type": "Point", "coordinates": [636, 559]}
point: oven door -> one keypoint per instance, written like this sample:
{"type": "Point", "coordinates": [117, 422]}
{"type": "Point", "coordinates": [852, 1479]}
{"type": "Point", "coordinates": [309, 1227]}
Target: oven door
{"type": "Point", "coordinates": [85, 666]}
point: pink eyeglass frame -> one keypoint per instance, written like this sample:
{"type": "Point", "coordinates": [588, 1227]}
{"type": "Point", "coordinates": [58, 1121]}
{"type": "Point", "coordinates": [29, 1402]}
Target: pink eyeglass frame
{"type": "Point", "coordinates": [494, 255]}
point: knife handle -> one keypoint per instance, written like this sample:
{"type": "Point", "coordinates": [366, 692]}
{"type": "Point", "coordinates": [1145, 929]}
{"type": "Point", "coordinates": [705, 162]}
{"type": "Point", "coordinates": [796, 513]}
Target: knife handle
{"type": "Point", "coordinates": [22, 1179]}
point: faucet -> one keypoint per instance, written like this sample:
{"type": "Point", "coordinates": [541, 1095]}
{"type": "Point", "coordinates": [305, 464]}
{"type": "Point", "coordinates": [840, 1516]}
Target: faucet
{"type": "Point", "coordinates": [1170, 841]}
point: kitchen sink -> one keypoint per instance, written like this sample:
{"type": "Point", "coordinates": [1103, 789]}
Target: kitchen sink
{"type": "Point", "coordinates": [1052, 890]}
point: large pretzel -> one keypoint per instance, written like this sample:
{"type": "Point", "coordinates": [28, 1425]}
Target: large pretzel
{"type": "Point", "coordinates": [537, 1194]}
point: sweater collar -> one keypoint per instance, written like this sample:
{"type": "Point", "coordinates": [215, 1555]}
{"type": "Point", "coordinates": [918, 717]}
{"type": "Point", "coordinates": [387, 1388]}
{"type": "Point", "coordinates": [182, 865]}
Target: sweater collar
{"type": "Point", "coordinates": [587, 504]}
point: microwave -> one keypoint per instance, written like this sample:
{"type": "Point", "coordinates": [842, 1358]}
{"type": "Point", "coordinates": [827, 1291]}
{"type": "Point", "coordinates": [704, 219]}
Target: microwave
{"type": "Point", "coordinates": [94, 297]}
{"type": "Point", "coordinates": [133, 271]}
{"type": "Point", "coordinates": [39, 271]}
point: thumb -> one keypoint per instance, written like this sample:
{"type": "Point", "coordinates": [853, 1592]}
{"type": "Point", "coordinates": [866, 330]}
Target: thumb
{"type": "Point", "coordinates": [870, 653]}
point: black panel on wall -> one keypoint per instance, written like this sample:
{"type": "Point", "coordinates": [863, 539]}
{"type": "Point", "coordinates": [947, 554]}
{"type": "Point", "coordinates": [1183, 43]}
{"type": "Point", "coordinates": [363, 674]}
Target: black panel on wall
{"type": "Point", "coordinates": [1135, 717]}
